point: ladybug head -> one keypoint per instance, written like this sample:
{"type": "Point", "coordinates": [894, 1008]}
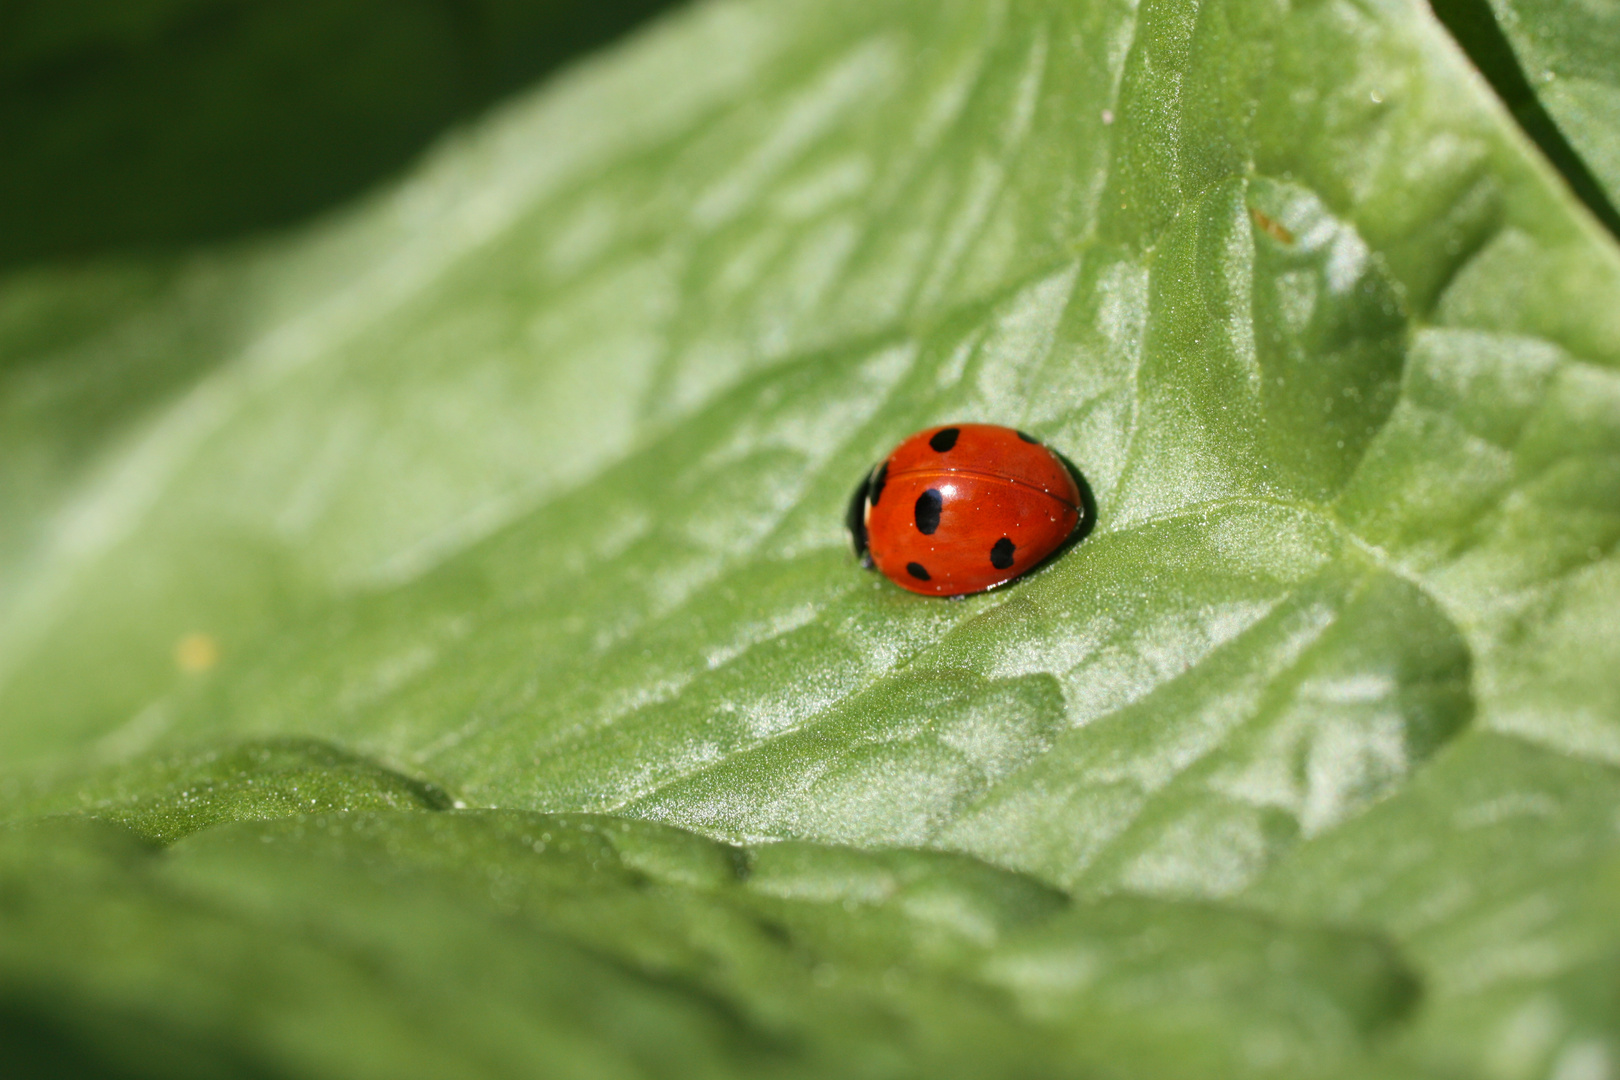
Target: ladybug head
{"type": "Point", "coordinates": [855, 519]}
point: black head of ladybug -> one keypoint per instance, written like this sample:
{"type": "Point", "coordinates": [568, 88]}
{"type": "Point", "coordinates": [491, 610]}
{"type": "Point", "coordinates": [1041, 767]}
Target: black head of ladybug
{"type": "Point", "coordinates": [855, 520]}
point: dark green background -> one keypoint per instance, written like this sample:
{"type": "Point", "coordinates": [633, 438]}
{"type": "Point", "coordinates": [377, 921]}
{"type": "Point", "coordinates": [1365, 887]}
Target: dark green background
{"type": "Point", "coordinates": [155, 123]}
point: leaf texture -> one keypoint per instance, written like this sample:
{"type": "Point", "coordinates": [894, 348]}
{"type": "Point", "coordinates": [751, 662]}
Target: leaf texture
{"type": "Point", "coordinates": [509, 507]}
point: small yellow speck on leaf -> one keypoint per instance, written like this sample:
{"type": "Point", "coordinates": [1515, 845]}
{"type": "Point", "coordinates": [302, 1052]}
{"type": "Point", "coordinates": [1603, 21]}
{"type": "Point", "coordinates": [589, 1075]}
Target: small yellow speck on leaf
{"type": "Point", "coordinates": [196, 652]}
{"type": "Point", "coordinates": [1271, 226]}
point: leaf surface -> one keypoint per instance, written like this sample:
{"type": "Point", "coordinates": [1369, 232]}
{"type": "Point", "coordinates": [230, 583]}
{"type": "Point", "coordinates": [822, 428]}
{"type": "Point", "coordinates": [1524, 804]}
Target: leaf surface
{"type": "Point", "coordinates": [1555, 67]}
{"type": "Point", "coordinates": [510, 507]}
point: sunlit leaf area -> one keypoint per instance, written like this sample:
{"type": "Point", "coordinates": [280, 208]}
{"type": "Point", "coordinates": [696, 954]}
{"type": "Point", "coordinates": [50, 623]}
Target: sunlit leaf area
{"type": "Point", "coordinates": [430, 644]}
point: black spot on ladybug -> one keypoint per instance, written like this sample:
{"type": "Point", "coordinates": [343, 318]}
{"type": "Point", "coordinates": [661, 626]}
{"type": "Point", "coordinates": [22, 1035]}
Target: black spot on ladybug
{"type": "Point", "coordinates": [944, 438]}
{"type": "Point", "coordinates": [878, 480]}
{"type": "Point", "coordinates": [1001, 555]}
{"type": "Point", "coordinates": [1027, 437]}
{"type": "Point", "coordinates": [928, 507]}
{"type": "Point", "coordinates": [917, 570]}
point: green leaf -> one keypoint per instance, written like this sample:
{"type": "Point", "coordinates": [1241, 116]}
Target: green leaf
{"type": "Point", "coordinates": [1556, 67]}
{"type": "Point", "coordinates": [460, 589]}
{"type": "Point", "coordinates": [483, 943]}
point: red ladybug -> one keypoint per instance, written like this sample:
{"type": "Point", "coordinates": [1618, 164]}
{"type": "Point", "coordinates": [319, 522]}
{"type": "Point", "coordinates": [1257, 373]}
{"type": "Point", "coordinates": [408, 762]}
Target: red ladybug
{"type": "Point", "coordinates": [963, 508]}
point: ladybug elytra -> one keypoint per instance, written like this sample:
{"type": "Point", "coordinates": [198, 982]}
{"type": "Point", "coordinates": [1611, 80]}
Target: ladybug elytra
{"type": "Point", "coordinates": [963, 508]}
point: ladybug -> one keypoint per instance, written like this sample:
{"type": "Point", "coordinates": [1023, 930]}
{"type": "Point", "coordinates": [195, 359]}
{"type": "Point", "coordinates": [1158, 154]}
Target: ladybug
{"type": "Point", "coordinates": [963, 508]}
